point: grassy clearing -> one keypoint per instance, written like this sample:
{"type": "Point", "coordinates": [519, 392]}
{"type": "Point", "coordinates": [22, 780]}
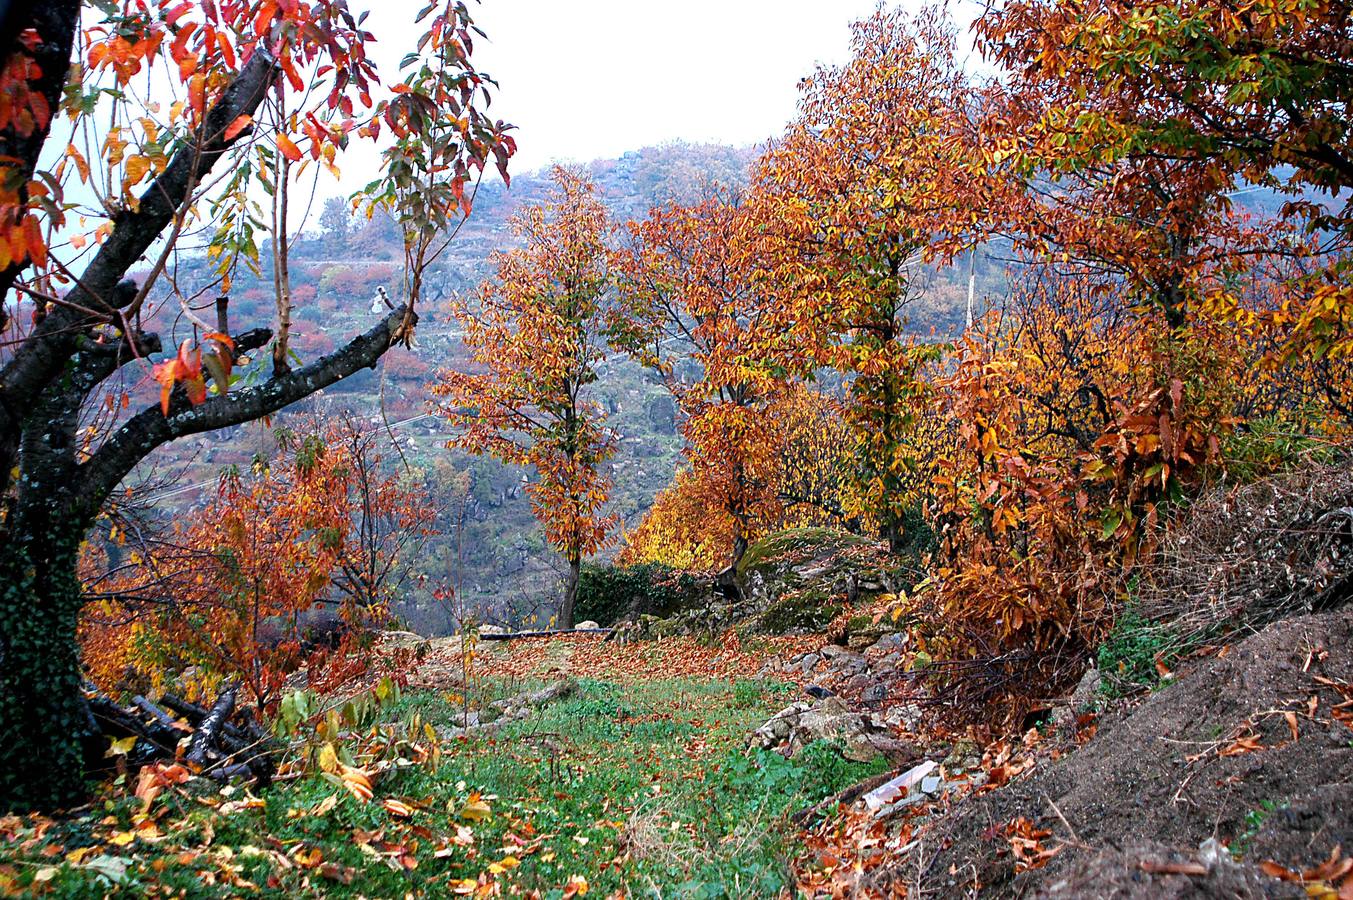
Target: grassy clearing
{"type": "Point", "coordinates": [644, 789]}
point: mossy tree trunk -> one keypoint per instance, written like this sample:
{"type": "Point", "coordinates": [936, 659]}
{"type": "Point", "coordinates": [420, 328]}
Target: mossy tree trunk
{"type": "Point", "coordinates": [45, 725]}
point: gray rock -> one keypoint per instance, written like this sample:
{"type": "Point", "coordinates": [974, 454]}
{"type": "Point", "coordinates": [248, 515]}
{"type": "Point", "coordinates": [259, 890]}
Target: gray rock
{"type": "Point", "coordinates": [858, 683]}
{"type": "Point", "coordinates": [661, 412]}
{"type": "Point", "coordinates": [904, 717]}
{"type": "Point", "coordinates": [890, 643]}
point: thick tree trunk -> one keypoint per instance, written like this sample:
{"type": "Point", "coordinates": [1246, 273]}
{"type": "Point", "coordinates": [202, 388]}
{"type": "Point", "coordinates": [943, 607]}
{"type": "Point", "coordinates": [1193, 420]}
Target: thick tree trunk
{"type": "Point", "coordinates": [895, 534]}
{"type": "Point", "coordinates": [45, 724]}
{"type": "Point", "coordinates": [739, 546]}
{"type": "Point", "coordinates": [570, 593]}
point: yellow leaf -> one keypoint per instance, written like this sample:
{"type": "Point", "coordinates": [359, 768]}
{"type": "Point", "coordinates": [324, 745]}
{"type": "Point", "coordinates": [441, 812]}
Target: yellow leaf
{"type": "Point", "coordinates": [122, 838]}
{"type": "Point", "coordinates": [137, 167]}
{"type": "Point", "coordinates": [328, 758]}
{"type": "Point", "coordinates": [121, 747]}
{"type": "Point", "coordinates": [476, 810]}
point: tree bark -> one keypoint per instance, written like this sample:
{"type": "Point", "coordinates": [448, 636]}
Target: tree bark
{"type": "Point", "coordinates": [212, 724]}
{"type": "Point", "coordinates": [570, 593]}
{"type": "Point", "coordinates": [46, 727]}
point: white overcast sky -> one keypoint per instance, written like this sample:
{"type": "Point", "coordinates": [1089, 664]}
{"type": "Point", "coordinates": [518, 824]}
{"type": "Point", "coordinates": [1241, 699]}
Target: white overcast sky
{"type": "Point", "coordinates": [590, 79]}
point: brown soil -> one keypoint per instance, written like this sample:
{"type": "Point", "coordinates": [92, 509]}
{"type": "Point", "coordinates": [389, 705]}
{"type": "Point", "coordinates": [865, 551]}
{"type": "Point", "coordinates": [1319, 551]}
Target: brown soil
{"type": "Point", "coordinates": [1148, 790]}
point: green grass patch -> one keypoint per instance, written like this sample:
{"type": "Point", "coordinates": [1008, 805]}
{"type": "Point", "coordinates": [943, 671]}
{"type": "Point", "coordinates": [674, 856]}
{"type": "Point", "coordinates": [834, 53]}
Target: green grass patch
{"type": "Point", "coordinates": [1127, 659]}
{"type": "Point", "coordinates": [647, 789]}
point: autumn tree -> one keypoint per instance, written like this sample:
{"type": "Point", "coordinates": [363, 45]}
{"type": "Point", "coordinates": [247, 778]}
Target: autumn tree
{"type": "Point", "coordinates": [1108, 385]}
{"type": "Point", "coordinates": [861, 191]}
{"type": "Point", "coordinates": [335, 219]}
{"type": "Point", "coordinates": [805, 464]}
{"type": "Point", "coordinates": [537, 334]}
{"type": "Point", "coordinates": [300, 555]}
{"type": "Point", "coordinates": [391, 518]}
{"type": "Point", "coordinates": [693, 310]}
{"type": "Point", "coordinates": [1252, 98]}
{"type": "Point", "coordinates": [254, 96]}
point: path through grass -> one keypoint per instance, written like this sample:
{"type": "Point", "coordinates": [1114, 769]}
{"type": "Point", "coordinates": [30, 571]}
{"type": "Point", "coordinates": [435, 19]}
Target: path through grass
{"type": "Point", "coordinates": [643, 789]}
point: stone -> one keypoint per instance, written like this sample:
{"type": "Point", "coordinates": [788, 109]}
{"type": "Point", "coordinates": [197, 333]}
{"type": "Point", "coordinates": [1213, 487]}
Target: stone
{"type": "Point", "coordinates": [584, 626]}
{"type": "Point", "coordinates": [964, 756]}
{"type": "Point", "coordinates": [662, 414]}
{"type": "Point", "coordinates": [1082, 700]}
{"type": "Point", "coordinates": [874, 693]}
{"type": "Point", "coordinates": [861, 640]}
{"type": "Point", "coordinates": [892, 642]}
{"type": "Point", "coordinates": [904, 717]}
{"type": "Point", "coordinates": [931, 784]}
{"type": "Point", "coordinates": [830, 719]}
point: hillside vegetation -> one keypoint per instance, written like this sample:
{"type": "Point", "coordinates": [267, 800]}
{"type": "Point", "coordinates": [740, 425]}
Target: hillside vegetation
{"type": "Point", "coordinates": [950, 496]}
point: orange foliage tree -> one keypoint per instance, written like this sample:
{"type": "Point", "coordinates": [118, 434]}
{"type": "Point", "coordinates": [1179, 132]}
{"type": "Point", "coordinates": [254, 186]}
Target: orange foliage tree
{"type": "Point", "coordinates": [537, 333]}
{"type": "Point", "coordinates": [1256, 95]}
{"type": "Point", "coordinates": [693, 308]}
{"type": "Point", "coordinates": [301, 554]}
{"type": "Point", "coordinates": [1126, 353]}
{"type": "Point", "coordinates": [808, 470]}
{"type": "Point", "coordinates": [867, 185]}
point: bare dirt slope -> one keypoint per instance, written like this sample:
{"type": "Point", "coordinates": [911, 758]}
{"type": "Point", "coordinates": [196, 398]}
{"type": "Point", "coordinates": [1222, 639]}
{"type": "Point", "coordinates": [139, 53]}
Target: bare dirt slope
{"type": "Point", "coordinates": [1252, 749]}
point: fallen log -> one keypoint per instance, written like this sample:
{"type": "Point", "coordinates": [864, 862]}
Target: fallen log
{"type": "Point", "coordinates": [553, 691]}
{"type": "Point", "coordinates": [207, 733]}
{"type": "Point", "coordinates": [514, 635]}
{"type": "Point", "coordinates": [195, 714]}
{"type": "Point", "coordinates": [119, 723]}
{"type": "Point", "coordinates": [154, 712]}
{"type": "Point", "coordinates": [250, 743]}
{"type": "Point", "coordinates": [219, 748]}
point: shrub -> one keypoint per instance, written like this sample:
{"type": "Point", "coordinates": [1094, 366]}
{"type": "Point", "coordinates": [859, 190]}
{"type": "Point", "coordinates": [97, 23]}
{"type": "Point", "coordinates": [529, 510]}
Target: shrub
{"type": "Point", "coordinates": [609, 593]}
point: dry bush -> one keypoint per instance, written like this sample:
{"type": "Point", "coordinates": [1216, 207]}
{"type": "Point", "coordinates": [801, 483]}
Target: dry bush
{"type": "Point", "coordinates": [1241, 557]}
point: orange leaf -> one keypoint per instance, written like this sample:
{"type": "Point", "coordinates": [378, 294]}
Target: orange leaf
{"type": "Point", "coordinates": [235, 127]}
{"type": "Point", "coordinates": [288, 148]}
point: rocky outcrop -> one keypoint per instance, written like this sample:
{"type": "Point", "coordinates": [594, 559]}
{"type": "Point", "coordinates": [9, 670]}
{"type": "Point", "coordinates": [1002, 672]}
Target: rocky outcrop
{"type": "Point", "coordinates": [802, 579]}
{"type": "Point", "coordinates": [862, 737]}
{"type": "Point", "coordinates": [881, 677]}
